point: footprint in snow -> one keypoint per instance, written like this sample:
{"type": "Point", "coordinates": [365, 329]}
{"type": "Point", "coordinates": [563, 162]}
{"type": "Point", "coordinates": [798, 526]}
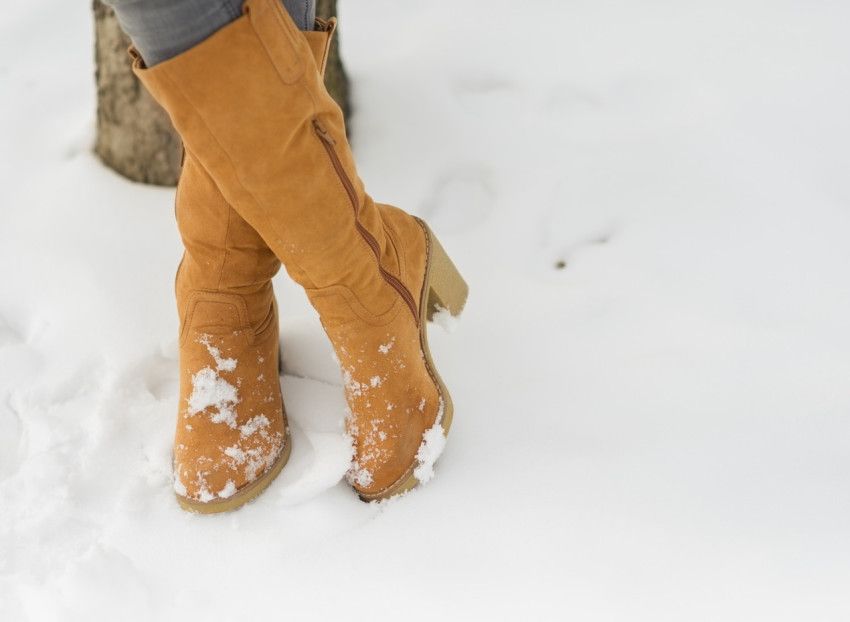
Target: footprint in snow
{"type": "Point", "coordinates": [569, 99]}
{"type": "Point", "coordinates": [321, 453]}
{"type": "Point", "coordinates": [8, 335]}
{"type": "Point", "coordinates": [88, 380]}
{"type": "Point", "coordinates": [160, 377]}
{"type": "Point", "coordinates": [474, 93]}
{"type": "Point", "coordinates": [460, 200]}
{"type": "Point", "coordinates": [11, 432]}
{"type": "Point", "coordinates": [577, 219]}
{"type": "Point", "coordinates": [563, 257]}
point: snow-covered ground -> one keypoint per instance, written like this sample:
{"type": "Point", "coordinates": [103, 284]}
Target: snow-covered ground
{"type": "Point", "coordinates": [651, 203]}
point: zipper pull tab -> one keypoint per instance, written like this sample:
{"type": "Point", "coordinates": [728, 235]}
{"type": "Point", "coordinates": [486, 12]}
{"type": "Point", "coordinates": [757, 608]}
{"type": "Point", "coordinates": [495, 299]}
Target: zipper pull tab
{"type": "Point", "coordinates": [323, 133]}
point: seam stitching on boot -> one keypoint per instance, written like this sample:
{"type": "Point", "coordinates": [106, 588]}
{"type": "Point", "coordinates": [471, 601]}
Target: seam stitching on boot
{"type": "Point", "coordinates": [224, 258]}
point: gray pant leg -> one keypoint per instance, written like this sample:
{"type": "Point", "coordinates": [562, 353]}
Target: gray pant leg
{"type": "Point", "coordinates": [161, 29]}
{"type": "Point", "coordinates": [303, 12]}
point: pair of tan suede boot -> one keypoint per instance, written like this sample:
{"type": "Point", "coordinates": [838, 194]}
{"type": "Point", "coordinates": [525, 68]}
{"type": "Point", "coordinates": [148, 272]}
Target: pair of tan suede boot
{"type": "Point", "coordinates": [269, 177]}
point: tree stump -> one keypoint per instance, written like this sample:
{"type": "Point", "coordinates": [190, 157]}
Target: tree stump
{"type": "Point", "coordinates": [134, 134]}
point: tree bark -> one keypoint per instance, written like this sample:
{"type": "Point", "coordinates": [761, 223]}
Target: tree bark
{"type": "Point", "coordinates": [134, 135]}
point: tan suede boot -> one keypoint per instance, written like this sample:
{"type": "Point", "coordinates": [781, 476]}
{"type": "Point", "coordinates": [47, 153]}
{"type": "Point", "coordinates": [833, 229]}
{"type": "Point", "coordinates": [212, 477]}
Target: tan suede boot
{"type": "Point", "coordinates": [250, 105]}
{"type": "Point", "coordinates": [232, 437]}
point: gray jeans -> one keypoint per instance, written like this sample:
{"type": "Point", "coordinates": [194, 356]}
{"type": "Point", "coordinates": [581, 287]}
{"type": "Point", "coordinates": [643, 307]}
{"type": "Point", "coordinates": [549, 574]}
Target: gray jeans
{"type": "Point", "coordinates": [161, 29]}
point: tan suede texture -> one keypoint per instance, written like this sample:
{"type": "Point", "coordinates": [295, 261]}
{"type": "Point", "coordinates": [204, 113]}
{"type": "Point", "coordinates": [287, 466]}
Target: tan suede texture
{"type": "Point", "coordinates": [319, 41]}
{"type": "Point", "coordinates": [250, 105]}
{"type": "Point", "coordinates": [227, 310]}
{"type": "Point", "coordinates": [230, 423]}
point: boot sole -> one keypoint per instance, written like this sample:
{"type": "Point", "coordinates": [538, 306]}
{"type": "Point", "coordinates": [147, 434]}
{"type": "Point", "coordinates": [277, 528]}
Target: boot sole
{"type": "Point", "coordinates": [443, 289]}
{"type": "Point", "coordinates": [248, 493]}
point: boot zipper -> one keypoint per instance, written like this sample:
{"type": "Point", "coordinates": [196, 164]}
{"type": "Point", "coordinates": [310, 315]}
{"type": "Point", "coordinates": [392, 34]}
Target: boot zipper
{"type": "Point", "coordinates": [328, 143]}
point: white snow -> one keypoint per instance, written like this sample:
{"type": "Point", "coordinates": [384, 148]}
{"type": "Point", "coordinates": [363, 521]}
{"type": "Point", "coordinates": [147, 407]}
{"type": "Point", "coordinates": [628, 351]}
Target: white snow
{"type": "Point", "coordinates": [235, 452]}
{"type": "Point", "coordinates": [253, 425]}
{"type": "Point", "coordinates": [359, 475]}
{"type": "Point", "coordinates": [445, 320]}
{"type": "Point", "coordinates": [433, 443]}
{"type": "Point", "coordinates": [221, 363]}
{"type": "Point", "coordinates": [205, 496]}
{"type": "Point", "coordinates": [179, 486]}
{"type": "Point", "coordinates": [228, 491]}
{"type": "Point", "coordinates": [209, 390]}
{"type": "Point", "coordinates": [650, 202]}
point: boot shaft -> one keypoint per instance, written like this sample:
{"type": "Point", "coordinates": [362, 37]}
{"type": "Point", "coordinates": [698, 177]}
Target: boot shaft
{"type": "Point", "coordinates": [254, 88]}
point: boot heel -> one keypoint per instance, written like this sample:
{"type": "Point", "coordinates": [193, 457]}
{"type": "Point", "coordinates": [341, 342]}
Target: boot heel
{"type": "Point", "coordinates": [446, 287]}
